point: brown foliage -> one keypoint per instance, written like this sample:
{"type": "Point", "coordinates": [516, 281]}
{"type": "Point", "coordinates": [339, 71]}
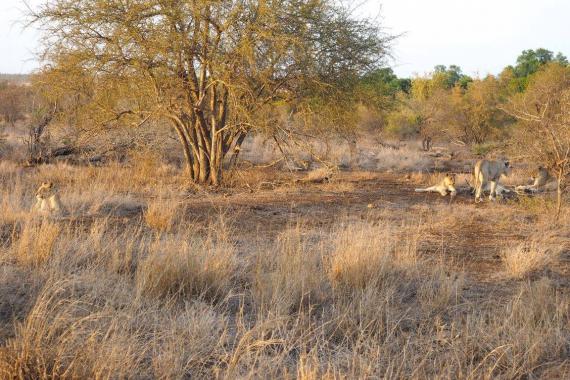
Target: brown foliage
{"type": "Point", "coordinates": [13, 102]}
{"type": "Point", "coordinates": [208, 69]}
{"type": "Point", "coordinates": [543, 110]}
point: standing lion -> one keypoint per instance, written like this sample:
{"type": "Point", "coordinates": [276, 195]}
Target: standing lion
{"type": "Point", "coordinates": [489, 172]}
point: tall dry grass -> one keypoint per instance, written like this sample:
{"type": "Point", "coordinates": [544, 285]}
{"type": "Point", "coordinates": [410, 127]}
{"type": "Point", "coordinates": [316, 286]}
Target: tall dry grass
{"type": "Point", "coordinates": [528, 257]}
{"type": "Point", "coordinates": [36, 242]}
{"type": "Point", "coordinates": [161, 214]}
{"type": "Point", "coordinates": [186, 266]}
{"type": "Point", "coordinates": [354, 301]}
{"type": "Point", "coordinates": [112, 292]}
{"type": "Point", "coordinates": [288, 275]}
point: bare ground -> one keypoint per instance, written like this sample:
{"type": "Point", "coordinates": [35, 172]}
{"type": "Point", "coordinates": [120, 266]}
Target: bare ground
{"type": "Point", "coordinates": [471, 235]}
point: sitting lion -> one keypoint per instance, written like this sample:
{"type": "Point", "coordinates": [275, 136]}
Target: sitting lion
{"type": "Point", "coordinates": [47, 200]}
{"type": "Point", "coordinates": [447, 185]}
{"type": "Point", "coordinates": [541, 183]}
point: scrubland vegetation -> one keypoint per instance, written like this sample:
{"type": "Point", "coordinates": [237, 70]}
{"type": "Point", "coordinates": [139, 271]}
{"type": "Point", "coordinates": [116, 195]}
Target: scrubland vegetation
{"type": "Point", "coordinates": [252, 285]}
{"type": "Point", "coordinates": [240, 196]}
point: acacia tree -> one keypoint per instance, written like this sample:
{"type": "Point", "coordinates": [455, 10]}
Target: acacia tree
{"type": "Point", "coordinates": [544, 114]}
{"type": "Point", "coordinates": [211, 68]}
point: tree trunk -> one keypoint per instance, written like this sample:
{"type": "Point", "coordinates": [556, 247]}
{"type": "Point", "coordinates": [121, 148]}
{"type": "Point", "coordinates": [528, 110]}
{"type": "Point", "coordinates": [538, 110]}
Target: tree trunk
{"type": "Point", "coordinates": [216, 157]}
{"type": "Point", "coordinates": [202, 134]}
{"type": "Point", "coordinates": [559, 193]}
{"type": "Point", "coordinates": [237, 148]}
{"type": "Point", "coordinates": [203, 162]}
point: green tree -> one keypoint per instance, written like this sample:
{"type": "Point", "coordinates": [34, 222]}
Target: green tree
{"type": "Point", "coordinates": [212, 69]}
{"type": "Point", "coordinates": [561, 59]}
{"type": "Point", "coordinates": [380, 87]}
{"type": "Point", "coordinates": [510, 84]}
{"type": "Point", "coordinates": [530, 60]}
{"type": "Point", "coordinates": [468, 113]}
{"type": "Point", "coordinates": [451, 76]}
{"type": "Point", "coordinates": [528, 63]}
{"type": "Point", "coordinates": [421, 111]}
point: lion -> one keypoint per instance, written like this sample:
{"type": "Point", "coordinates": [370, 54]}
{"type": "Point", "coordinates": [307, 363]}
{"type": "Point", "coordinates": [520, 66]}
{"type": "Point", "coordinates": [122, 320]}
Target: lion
{"type": "Point", "coordinates": [500, 190]}
{"type": "Point", "coordinates": [489, 172]}
{"type": "Point", "coordinates": [447, 185]}
{"type": "Point", "coordinates": [47, 200]}
{"type": "Point", "coordinates": [542, 182]}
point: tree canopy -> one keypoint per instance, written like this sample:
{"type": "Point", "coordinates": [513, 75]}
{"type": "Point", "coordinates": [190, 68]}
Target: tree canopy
{"type": "Point", "coordinates": [209, 68]}
{"type": "Point", "coordinates": [528, 63]}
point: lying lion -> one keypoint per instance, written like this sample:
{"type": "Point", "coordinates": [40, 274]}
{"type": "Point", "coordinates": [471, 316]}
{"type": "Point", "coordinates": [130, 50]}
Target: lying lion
{"type": "Point", "coordinates": [542, 183]}
{"type": "Point", "coordinates": [446, 186]}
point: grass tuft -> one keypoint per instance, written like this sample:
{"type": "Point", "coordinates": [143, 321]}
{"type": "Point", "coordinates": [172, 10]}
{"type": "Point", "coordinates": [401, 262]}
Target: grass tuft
{"type": "Point", "coordinates": [526, 258]}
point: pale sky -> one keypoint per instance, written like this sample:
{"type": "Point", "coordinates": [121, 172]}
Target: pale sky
{"type": "Point", "coordinates": [481, 36]}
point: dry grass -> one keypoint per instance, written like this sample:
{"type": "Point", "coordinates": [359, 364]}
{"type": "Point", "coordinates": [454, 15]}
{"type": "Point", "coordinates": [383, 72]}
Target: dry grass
{"type": "Point", "coordinates": [321, 174]}
{"type": "Point", "coordinates": [364, 155]}
{"type": "Point", "coordinates": [403, 159]}
{"type": "Point", "coordinates": [89, 327]}
{"type": "Point", "coordinates": [288, 275]}
{"type": "Point", "coordinates": [188, 266]}
{"type": "Point", "coordinates": [518, 176]}
{"type": "Point", "coordinates": [304, 290]}
{"type": "Point", "coordinates": [359, 261]}
{"type": "Point", "coordinates": [161, 214]}
{"type": "Point", "coordinates": [526, 258]}
{"type": "Point", "coordinates": [36, 242]}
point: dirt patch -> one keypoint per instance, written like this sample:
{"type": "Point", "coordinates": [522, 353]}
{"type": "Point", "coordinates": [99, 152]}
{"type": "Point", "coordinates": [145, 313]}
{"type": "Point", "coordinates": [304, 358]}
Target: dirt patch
{"type": "Point", "coordinates": [471, 236]}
